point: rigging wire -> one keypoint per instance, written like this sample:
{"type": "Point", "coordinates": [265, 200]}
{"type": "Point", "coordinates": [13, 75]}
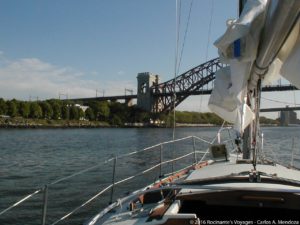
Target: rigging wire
{"type": "Point", "coordinates": [208, 42]}
{"type": "Point", "coordinates": [294, 98]}
{"type": "Point", "coordinates": [209, 29]}
{"type": "Point", "coordinates": [178, 10]}
{"type": "Point", "coordinates": [289, 103]}
{"type": "Point", "coordinates": [178, 57]}
{"type": "Point", "coordinates": [185, 35]}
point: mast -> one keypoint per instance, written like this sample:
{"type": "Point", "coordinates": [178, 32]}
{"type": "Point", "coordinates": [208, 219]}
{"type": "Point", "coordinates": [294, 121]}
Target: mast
{"type": "Point", "coordinates": [261, 38]}
{"type": "Point", "coordinates": [246, 136]}
{"type": "Point", "coordinates": [281, 17]}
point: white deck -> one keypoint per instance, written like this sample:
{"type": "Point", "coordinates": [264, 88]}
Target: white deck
{"type": "Point", "coordinates": [210, 172]}
{"type": "Point", "coordinates": [225, 169]}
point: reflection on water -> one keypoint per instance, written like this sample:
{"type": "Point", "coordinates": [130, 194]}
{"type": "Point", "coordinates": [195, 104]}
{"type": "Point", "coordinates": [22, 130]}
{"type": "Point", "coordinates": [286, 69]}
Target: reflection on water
{"type": "Point", "coordinates": [30, 159]}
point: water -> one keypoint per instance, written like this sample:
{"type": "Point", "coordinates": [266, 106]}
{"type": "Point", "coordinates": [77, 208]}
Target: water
{"type": "Point", "coordinates": [29, 159]}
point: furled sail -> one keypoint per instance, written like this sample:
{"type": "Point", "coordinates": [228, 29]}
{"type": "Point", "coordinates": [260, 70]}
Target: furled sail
{"type": "Point", "coordinates": [238, 48]}
{"type": "Point", "coordinates": [291, 67]}
{"type": "Point", "coordinates": [261, 44]}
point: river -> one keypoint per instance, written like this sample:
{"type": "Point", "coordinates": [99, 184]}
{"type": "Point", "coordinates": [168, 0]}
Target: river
{"type": "Point", "coordinates": [31, 158]}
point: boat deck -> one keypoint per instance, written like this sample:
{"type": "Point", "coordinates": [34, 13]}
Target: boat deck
{"type": "Point", "coordinates": [205, 192]}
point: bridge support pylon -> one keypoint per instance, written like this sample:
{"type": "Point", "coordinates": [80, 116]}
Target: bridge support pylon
{"type": "Point", "coordinates": [145, 98]}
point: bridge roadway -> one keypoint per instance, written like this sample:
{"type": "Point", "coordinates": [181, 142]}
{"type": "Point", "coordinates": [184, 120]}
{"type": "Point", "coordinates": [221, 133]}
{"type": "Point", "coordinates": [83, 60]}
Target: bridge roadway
{"type": "Point", "coordinates": [198, 92]}
{"type": "Point", "coordinates": [201, 92]}
{"type": "Point", "coordinates": [105, 98]}
{"type": "Point", "coordinates": [160, 96]}
{"type": "Point", "coordinates": [280, 109]}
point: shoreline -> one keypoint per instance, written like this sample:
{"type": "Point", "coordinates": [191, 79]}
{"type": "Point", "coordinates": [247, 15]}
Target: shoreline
{"type": "Point", "coordinates": [93, 126]}
{"type": "Point", "coordinates": [21, 123]}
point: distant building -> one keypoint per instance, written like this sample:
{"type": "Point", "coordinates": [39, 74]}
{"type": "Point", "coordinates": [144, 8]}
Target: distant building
{"type": "Point", "coordinates": [288, 117]}
{"type": "Point", "coordinates": [81, 107]}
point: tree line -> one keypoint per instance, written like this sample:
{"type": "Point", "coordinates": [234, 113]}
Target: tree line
{"type": "Point", "coordinates": [114, 113]}
{"type": "Point", "coordinates": [50, 109]}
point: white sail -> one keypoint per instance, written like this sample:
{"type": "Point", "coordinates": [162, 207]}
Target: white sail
{"type": "Point", "coordinates": [237, 47]}
{"type": "Point", "coordinates": [291, 67]}
{"type": "Point", "coordinates": [287, 61]}
{"type": "Point", "coordinates": [262, 44]}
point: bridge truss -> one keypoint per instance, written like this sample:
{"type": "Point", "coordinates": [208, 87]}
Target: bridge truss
{"type": "Point", "coordinates": [196, 81]}
{"type": "Point", "coordinates": [171, 93]}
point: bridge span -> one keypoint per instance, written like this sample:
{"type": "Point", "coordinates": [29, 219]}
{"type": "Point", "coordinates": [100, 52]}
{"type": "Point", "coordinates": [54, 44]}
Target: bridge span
{"type": "Point", "coordinates": [106, 98]}
{"type": "Point", "coordinates": [281, 109]}
{"type": "Point", "coordinates": [196, 92]}
{"type": "Point", "coordinates": [153, 96]}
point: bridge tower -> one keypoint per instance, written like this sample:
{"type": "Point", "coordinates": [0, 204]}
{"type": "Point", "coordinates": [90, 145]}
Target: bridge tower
{"type": "Point", "coordinates": [145, 99]}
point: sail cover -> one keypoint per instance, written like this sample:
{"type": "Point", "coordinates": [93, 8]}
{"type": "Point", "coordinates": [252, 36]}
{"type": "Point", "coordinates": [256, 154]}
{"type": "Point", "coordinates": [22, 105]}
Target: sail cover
{"type": "Point", "coordinates": [243, 47]}
{"type": "Point", "coordinates": [291, 67]}
{"type": "Point", "coordinates": [238, 48]}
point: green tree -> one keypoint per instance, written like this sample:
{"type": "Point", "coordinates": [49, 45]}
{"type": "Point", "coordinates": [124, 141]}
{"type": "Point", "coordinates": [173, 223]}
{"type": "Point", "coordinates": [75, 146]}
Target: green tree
{"type": "Point", "coordinates": [12, 109]}
{"type": "Point", "coordinates": [121, 111]}
{"type": "Point", "coordinates": [89, 114]}
{"type": "Point", "coordinates": [264, 120]}
{"type": "Point", "coordinates": [56, 110]}
{"type": "Point", "coordinates": [65, 111]}
{"type": "Point", "coordinates": [116, 120]}
{"type": "Point", "coordinates": [24, 109]}
{"type": "Point", "coordinates": [74, 112]}
{"type": "Point", "coordinates": [81, 113]}
{"type": "Point", "coordinates": [3, 107]}
{"type": "Point", "coordinates": [101, 110]}
{"type": "Point", "coordinates": [35, 110]}
{"type": "Point", "coordinates": [104, 111]}
{"type": "Point", "coordinates": [162, 117]}
{"type": "Point", "coordinates": [47, 110]}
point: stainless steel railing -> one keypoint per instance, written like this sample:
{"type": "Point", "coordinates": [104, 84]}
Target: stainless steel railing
{"type": "Point", "coordinates": [44, 190]}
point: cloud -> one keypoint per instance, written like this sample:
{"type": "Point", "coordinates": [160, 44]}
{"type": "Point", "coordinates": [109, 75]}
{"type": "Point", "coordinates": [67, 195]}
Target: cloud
{"type": "Point", "coordinates": [26, 77]}
{"type": "Point", "coordinates": [121, 72]}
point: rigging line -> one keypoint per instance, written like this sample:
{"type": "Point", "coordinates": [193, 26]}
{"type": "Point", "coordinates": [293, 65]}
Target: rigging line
{"type": "Point", "coordinates": [185, 35]}
{"type": "Point", "coordinates": [209, 29]}
{"type": "Point", "coordinates": [272, 100]}
{"type": "Point", "coordinates": [208, 42]}
{"type": "Point", "coordinates": [178, 10]}
{"type": "Point", "coordinates": [294, 98]}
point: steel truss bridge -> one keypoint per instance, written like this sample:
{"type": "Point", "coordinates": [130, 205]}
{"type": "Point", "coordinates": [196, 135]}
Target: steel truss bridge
{"type": "Point", "coordinates": [196, 81]}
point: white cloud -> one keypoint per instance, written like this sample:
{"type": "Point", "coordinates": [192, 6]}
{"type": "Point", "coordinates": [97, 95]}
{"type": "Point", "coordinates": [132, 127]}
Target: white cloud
{"type": "Point", "coordinates": [121, 72]}
{"type": "Point", "coordinates": [26, 77]}
{"type": "Point", "coordinates": [33, 77]}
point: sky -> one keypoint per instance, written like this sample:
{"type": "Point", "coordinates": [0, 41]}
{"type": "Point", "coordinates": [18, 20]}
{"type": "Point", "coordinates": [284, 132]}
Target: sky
{"type": "Point", "coordinates": [75, 47]}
